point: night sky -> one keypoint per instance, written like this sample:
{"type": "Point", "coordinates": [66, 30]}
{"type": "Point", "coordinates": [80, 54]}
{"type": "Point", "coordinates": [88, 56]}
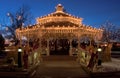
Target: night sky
{"type": "Point", "coordinates": [93, 12]}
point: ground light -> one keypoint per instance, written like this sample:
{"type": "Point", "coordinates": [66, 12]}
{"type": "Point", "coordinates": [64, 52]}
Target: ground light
{"type": "Point", "coordinates": [19, 57]}
{"type": "Point", "coordinates": [99, 50]}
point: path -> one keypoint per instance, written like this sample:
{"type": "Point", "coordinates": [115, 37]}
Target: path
{"type": "Point", "coordinates": [60, 67]}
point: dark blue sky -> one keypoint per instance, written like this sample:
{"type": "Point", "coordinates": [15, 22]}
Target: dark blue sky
{"type": "Point", "coordinates": [93, 12]}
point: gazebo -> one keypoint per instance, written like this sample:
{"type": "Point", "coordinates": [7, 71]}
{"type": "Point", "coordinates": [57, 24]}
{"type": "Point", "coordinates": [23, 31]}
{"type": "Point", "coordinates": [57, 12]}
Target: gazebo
{"type": "Point", "coordinates": [57, 29]}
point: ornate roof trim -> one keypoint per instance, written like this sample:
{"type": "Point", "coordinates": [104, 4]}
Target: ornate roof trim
{"type": "Point", "coordinates": [60, 10]}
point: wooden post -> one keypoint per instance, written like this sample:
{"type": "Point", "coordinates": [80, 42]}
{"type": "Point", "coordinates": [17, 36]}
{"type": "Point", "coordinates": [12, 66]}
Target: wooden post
{"type": "Point", "coordinates": [70, 52]}
{"type": "Point", "coordinates": [48, 47]}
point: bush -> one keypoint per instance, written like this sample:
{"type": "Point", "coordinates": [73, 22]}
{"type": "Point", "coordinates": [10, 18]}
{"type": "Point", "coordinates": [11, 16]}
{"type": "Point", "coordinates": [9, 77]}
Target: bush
{"type": "Point", "coordinates": [2, 41]}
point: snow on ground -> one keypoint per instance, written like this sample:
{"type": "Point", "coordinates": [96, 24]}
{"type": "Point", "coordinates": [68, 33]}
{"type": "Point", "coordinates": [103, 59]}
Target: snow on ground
{"type": "Point", "coordinates": [112, 66]}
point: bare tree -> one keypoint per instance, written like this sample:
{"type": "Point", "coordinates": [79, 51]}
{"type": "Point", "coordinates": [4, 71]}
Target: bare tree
{"type": "Point", "coordinates": [118, 34]}
{"type": "Point", "coordinates": [110, 32]}
{"type": "Point", "coordinates": [19, 19]}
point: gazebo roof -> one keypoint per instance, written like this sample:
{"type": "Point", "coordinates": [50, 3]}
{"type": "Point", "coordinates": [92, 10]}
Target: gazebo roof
{"type": "Point", "coordinates": [65, 23]}
{"type": "Point", "coordinates": [60, 12]}
{"type": "Point", "coordinates": [59, 17]}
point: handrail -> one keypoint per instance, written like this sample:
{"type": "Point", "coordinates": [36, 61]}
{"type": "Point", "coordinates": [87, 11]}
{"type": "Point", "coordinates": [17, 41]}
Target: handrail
{"type": "Point", "coordinates": [83, 57]}
{"type": "Point", "coordinates": [29, 61]}
{"type": "Point", "coordinates": [34, 57]}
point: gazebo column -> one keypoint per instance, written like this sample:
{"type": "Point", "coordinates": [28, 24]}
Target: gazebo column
{"type": "Point", "coordinates": [70, 52]}
{"type": "Point", "coordinates": [79, 51]}
{"type": "Point", "coordinates": [40, 47]}
{"type": "Point", "coordinates": [78, 37]}
{"type": "Point", "coordinates": [78, 43]}
{"type": "Point", "coordinates": [48, 53]}
{"type": "Point", "coordinates": [40, 42]}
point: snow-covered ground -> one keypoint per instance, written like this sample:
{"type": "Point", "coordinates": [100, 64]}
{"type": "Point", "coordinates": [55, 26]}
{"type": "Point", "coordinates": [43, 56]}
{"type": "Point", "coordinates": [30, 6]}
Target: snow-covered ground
{"type": "Point", "coordinates": [112, 66]}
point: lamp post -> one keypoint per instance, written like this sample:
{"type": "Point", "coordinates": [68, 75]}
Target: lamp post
{"type": "Point", "coordinates": [19, 57]}
{"type": "Point", "coordinates": [99, 50]}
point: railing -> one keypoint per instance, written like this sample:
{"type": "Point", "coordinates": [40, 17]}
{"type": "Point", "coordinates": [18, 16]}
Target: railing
{"type": "Point", "coordinates": [31, 60]}
{"type": "Point", "coordinates": [34, 58]}
{"type": "Point", "coordinates": [115, 54]}
{"type": "Point", "coordinates": [83, 57]}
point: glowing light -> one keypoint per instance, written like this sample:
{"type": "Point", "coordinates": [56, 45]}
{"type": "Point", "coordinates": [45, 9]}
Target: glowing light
{"type": "Point", "coordinates": [99, 49]}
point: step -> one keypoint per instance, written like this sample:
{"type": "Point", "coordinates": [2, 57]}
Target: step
{"type": "Point", "coordinates": [59, 58]}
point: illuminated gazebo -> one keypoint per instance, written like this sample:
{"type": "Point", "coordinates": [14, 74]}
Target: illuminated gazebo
{"type": "Point", "coordinates": [57, 26]}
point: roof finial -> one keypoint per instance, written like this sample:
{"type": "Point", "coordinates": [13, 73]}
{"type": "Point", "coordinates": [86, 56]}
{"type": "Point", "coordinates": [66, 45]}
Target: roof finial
{"type": "Point", "coordinates": [59, 8]}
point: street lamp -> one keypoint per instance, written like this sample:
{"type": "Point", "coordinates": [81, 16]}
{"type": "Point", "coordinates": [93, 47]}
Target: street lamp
{"type": "Point", "coordinates": [19, 57]}
{"type": "Point", "coordinates": [99, 50]}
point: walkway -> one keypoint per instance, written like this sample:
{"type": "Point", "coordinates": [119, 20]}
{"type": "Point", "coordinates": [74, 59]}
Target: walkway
{"type": "Point", "coordinates": [60, 67]}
